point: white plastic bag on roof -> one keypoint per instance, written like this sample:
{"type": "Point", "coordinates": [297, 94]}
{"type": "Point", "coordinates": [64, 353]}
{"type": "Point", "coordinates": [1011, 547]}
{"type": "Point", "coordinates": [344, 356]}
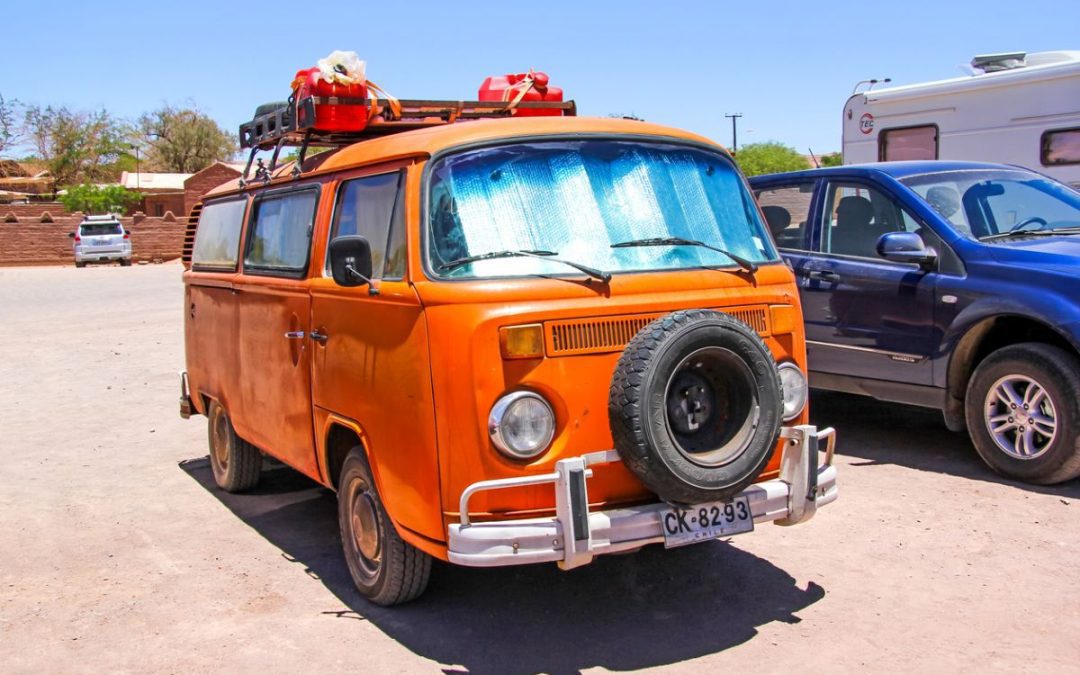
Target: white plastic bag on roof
{"type": "Point", "coordinates": [343, 68]}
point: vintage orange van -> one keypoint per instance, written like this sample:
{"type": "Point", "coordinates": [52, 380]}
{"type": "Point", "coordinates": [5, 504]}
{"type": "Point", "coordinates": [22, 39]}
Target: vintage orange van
{"type": "Point", "coordinates": [503, 340]}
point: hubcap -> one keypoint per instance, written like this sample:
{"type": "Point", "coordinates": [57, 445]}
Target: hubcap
{"type": "Point", "coordinates": [221, 440]}
{"type": "Point", "coordinates": [1020, 417]}
{"type": "Point", "coordinates": [365, 529]}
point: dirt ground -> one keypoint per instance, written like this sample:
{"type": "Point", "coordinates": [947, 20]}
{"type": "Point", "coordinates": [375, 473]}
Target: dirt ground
{"type": "Point", "coordinates": [119, 554]}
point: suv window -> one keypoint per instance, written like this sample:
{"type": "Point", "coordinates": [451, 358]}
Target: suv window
{"type": "Point", "coordinates": [281, 233]}
{"type": "Point", "coordinates": [787, 210]}
{"type": "Point", "coordinates": [855, 218]}
{"type": "Point", "coordinates": [100, 229]}
{"type": "Point", "coordinates": [371, 207]}
{"type": "Point", "coordinates": [217, 237]}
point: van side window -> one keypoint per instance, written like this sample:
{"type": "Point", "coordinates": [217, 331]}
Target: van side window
{"type": "Point", "coordinates": [370, 207]}
{"type": "Point", "coordinates": [787, 210]}
{"type": "Point", "coordinates": [1061, 146]}
{"type": "Point", "coordinates": [217, 238]}
{"type": "Point", "coordinates": [908, 143]}
{"type": "Point", "coordinates": [281, 233]}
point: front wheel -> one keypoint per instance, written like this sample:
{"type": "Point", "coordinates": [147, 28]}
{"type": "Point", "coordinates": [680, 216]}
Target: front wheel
{"type": "Point", "coordinates": [1023, 411]}
{"type": "Point", "coordinates": [386, 569]}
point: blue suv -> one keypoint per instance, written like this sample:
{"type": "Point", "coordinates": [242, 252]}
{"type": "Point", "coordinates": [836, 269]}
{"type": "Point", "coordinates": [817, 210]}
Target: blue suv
{"type": "Point", "coordinates": [949, 285]}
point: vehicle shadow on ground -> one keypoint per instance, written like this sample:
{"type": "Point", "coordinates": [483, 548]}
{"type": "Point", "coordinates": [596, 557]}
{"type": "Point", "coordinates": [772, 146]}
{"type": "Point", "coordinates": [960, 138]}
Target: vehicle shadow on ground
{"type": "Point", "coordinates": [622, 612]}
{"type": "Point", "coordinates": [890, 433]}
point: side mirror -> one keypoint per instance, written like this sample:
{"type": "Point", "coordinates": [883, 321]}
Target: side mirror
{"type": "Point", "coordinates": [71, 235]}
{"type": "Point", "coordinates": [906, 247]}
{"type": "Point", "coordinates": [350, 261]}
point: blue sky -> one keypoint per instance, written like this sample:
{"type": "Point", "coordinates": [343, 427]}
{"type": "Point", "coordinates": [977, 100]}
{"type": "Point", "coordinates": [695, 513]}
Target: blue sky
{"type": "Point", "coordinates": [787, 67]}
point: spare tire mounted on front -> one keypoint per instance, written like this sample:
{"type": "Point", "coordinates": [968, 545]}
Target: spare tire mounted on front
{"type": "Point", "coordinates": [696, 406]}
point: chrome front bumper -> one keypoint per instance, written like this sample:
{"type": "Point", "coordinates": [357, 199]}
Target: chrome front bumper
{"type": "Point", "coordinates": [575, 535]}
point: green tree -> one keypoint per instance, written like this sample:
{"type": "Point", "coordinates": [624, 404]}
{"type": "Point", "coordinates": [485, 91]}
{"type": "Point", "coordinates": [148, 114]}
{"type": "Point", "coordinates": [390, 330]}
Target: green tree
{"type": "Point", "coordinates": [183, 140]}
{"type": "Point", "coordinates": [99, 198]}
{"type": "Point", "coordinates": [770, 157]}
{"type": "Point", "coordinates": [831, 159]}
{"type": "Point", "coordinates": [9, 126]}
{"type": "Point", "coordinates": [76, 147]}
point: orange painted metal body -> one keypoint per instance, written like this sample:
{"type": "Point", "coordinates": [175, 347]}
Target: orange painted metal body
{"type": "Point", "coordinates": [414, 371]}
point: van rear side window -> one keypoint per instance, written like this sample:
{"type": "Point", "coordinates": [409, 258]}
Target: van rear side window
{"type": "Point", "coordinates": [281, 233]}
{"type": "Point", "coordinates": [217, 238]}
{"type": "Point", "coordinates": [1061, 147]}
{"type": "Point", "coordinates": [908, 143]}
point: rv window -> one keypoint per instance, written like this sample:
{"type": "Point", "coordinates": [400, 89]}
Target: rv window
{"type": "Point", "coordinates": [908, 143]}
{"type": "Point", "coordinates": [281, 234]}
{"type": "Point", "coordinates": [787, 210]}
{"type": "Point", "coordinates": [1061, 147]}
{"type": "Point", "coordinates": [366, 206]}
{"type": "Point", "coordinates": [217, 238]}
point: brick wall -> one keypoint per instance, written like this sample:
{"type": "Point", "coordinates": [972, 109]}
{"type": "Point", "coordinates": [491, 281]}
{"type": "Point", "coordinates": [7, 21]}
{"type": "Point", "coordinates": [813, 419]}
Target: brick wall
{"type": "Point", "coordinates": [32, 210]}
{"type": "Point", "coordinates": [32, 242]}
{"type": "Point", "coordinates": [204, 181]}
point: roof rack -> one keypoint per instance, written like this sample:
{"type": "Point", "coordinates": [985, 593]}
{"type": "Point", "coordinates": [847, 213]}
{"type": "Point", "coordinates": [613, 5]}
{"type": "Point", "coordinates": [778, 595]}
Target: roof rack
{"type": "Point", "coordinates": [292, 124]}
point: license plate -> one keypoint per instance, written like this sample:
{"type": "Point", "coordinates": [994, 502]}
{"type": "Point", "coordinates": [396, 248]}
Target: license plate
{"type": "Point", "coordinates": [692, 524]}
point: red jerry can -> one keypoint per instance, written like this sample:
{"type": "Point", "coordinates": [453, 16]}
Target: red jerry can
{"type": "Point", "coordinates": [535, 86]}
{"type": "Point", "coordinates": [348, 113]}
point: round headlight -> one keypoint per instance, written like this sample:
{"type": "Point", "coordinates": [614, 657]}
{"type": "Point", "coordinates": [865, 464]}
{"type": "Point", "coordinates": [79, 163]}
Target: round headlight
{"type": "Point", "coordinates": [521, 424]}
{"type": "Point", "coordinates": [795, 390]}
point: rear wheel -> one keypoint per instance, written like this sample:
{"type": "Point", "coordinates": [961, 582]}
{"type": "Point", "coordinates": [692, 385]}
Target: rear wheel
{"type": "Point", "coordinates": [125, 262]}
{"type": "Point", "coordinates": [79, 264]}
{"type": "Point", "coordinates": [1023, 412]}
{"type": "Point", "coordinates": [235, 462]}
{"type": "Point", "coordinates": [386, 569]}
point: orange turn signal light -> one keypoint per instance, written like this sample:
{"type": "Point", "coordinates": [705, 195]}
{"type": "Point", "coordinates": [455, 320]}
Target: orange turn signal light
{"type": "Point", "coordinates": [783, 319]}
{"type": "Point", "coordinates": [522, 342]}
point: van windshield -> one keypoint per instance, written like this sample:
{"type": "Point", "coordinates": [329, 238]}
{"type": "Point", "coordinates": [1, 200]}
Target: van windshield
{"type": "Point", "coordinates": [576, 199]}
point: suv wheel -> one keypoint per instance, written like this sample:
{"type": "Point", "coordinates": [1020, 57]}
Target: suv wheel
{"type": "Point", "coordinates": [1023, 411]}
{"type": "Point", "coordinates": [235, 462]}
{"type": "Point", "coordinates": [386, 569]}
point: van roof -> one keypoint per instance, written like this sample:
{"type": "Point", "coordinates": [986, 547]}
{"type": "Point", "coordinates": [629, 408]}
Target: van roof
{"type": "Point", "coordinates": [426, 142]}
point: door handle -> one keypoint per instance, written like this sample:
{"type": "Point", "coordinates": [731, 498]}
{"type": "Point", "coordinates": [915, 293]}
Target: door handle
{"type": "Point", "coordinates": [321, 338]}
{"type": "Point", "coordinates": [295, 335]}
{"type": "Point", "coordinates": [823, 275]}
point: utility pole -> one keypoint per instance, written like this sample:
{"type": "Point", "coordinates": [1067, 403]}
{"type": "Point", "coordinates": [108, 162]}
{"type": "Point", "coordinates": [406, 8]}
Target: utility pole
{"type": "Point", "coordinates": [734, 135]}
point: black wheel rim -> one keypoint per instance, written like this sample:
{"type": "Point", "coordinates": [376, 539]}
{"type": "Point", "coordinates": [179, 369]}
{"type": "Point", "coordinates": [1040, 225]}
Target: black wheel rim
{"type": "Point", "coordinates": [711, 406]}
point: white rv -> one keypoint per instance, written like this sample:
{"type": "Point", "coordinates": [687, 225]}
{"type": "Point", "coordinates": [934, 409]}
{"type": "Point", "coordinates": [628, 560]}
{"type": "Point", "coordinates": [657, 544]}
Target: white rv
{"type": "Point", "coordinates": [1016, 109]}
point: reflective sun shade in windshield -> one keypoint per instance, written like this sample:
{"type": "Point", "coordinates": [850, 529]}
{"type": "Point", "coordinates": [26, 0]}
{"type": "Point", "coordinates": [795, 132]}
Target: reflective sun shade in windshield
{"type": "Point", "coordinates": [575, 199]}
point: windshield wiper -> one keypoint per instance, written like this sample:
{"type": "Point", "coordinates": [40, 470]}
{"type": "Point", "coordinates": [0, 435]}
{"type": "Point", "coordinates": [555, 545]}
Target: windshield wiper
{"type": "Point", "coordinates": [1020, 233]}
{"type": "Point", "coordinates": [527, 253]}
{"type": "Point", "coordinates": [679, 241]}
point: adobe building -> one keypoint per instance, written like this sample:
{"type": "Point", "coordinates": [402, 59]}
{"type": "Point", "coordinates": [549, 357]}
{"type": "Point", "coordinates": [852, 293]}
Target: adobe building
{"type": "Point", "coordinates": [162, 192]}
{"type": "Point", "coordinates": [201, 182]}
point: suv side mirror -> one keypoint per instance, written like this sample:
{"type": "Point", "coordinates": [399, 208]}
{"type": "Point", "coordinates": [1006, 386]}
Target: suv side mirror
{"type": "Point", "coordinates": [350, 261]}
{"type": "Point", "coordinates": [906, 247]}
{"type": "Point", "coordinates": [71, 235]}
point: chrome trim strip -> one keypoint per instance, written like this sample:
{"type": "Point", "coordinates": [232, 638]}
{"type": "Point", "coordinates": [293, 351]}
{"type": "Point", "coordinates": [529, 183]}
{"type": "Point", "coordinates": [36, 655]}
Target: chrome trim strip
{"type": "Point", "coordinates": [899, 356]}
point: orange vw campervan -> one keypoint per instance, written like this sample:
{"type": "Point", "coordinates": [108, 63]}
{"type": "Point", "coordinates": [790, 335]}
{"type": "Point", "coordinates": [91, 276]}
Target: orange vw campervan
{"type": "Point", "coordinates": [502, 340]}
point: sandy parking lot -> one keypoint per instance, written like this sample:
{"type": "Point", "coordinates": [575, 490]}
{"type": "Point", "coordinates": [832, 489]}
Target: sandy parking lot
{"type": "Point", "coordinates": [120, 554]}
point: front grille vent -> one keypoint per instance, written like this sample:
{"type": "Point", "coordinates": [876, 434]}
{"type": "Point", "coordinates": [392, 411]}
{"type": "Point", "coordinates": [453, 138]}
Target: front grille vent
{"type": "Point", "coordinates": [611, 333]}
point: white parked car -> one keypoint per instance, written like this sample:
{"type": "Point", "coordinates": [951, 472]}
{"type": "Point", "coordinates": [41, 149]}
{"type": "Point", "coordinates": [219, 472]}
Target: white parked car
{"type": "Point", "coordinates": [101, 239]}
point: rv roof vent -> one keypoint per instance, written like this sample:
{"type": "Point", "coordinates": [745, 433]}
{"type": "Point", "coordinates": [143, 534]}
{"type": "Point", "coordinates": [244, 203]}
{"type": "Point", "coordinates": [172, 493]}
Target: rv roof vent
{"type": "Point", "coordinates": [992, 63]}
